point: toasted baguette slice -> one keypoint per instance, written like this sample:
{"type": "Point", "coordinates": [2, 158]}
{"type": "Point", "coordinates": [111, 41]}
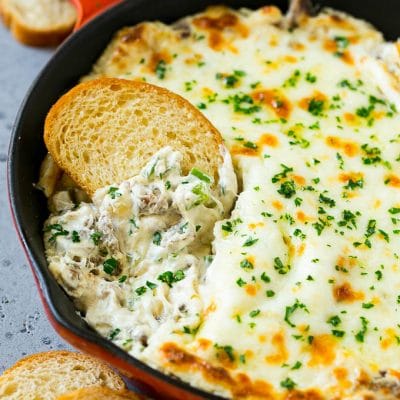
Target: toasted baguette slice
{"type": "Point", "coordinates": [99, 393]}
{"type": "Point", "coordinates": [104, 131]}
{"type": "Point", "coordinates": [47, 375]}
{"type": "Point", "coordinates": [39, 22]}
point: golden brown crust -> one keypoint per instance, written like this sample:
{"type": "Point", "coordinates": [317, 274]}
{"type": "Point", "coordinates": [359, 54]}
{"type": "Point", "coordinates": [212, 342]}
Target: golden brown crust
{"type": "Point", "coordinates": [5, 17]}
{"type": "Point", "coordinates": [240, 385]}
{"type": "Point", "coordinates": [38, 38]}
{"type": "Point", "coordinates": [32, 36]}
{"type": "Point", "coordinates": [99, 393]}
{"type": "Point", "coordinates": [185, 113]}
{"type": "Point", "coordinates": [63, 356]}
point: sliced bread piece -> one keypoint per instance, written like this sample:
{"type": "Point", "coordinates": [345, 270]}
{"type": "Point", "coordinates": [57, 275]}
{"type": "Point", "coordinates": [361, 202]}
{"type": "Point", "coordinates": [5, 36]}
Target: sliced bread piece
{"type": "Point", "coordinates": [99, 393]}
{"type": "Point", "coordinates": [104, 131]}
{"type": "Point", "coordinates": [39, 22]}
{"type": "Point", "coordinates": [46, 376]}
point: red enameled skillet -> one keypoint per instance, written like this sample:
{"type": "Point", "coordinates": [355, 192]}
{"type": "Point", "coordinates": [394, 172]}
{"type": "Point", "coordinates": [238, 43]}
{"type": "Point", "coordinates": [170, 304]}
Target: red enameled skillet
{"type": "Point", "coordinates": [72, 60]}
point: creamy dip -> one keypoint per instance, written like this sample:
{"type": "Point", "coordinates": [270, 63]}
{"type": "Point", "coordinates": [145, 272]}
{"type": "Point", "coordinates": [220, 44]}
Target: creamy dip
{"type": "Point", "coordinates": [133, 259]}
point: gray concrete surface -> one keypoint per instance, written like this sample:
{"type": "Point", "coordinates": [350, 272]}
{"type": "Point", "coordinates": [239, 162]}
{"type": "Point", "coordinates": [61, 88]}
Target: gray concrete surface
{"type": "Point", "coordinates": [24, 328]}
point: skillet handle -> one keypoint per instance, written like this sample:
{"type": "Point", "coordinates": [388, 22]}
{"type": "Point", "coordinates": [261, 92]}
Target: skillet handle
{"type": "Point", "coordinates": [88, 9]}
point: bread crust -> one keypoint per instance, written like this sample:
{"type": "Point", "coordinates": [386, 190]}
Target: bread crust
{"type": "Point", "coordinates": [63, 105]}
{"type": "Point", "coordinates": [58, 362]}
{"type": "Point", "coordinates": [63, 354]}
{"type": "Point", "coordinates": [31, 36]}
{"type": "Point", "coordinates": [99, 393]}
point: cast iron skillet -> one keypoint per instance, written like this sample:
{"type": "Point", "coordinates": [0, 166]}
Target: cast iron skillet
{"type": "Point", "coordinates": [74, 59]}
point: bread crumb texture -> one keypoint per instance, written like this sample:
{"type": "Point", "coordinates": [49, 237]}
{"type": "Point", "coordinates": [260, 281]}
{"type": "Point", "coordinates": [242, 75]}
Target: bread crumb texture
{"type": "Point", "coordinates": [45, 376]}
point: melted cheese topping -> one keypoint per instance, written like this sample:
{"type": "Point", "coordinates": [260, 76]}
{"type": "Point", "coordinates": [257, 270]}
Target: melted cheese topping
{"type": "Point", "coordinates": [302, 297]}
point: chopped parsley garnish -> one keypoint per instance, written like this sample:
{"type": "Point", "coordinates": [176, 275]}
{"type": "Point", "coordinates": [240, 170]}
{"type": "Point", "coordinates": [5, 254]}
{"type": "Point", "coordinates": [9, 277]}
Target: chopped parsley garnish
{"type": "Point", "coordinates": [367, 305]}
{"type": "Point", "coordinates": [364, 112]}
{"type": "Point", "coordinates": [311, 78]}
{"type": "Point", "coordinates": [298, 201]}
{"type": "Point", "coordinates": [240, 282]}
{"type": "Point", "coordinates": [161, 69]}
{"type": "Point", "coordinates": [326, 200]}
{"type": "Point", "coordinates": [191, 331]}
{"type": "Point", "coordinates": [239, 72]}
{"type": "Point", "coordinates": [113, 192]}
{"type": "Point", "coordinates": [141, 290]}
{"type": "Point", "coordinates": [338, 333]}
{"type": "Point", "coordinates": [96, 236]}
{"type": "Point", "coordinates": [334, 321]}
{"type": "Point", "coordinates": [378, 275]}
{"type": "Point", "coordinates": [202, 197]}
{"type": "Point", "coordinates": [229, 81]}
{"type": "Point", "coordinates": [319, 226]}
{"type": "Point", "coordinates": [157, 238]}
{"type": "Point", "coordinates": [270, 293]}
{"type": "Point", "coordinates": [250, 241]}
{"type": "Point", "coordinates": [151, 285]}
{"type": "Point", "coordinates": [288, 384]}
{"type": "Point", "coordinates": [298, 233]}
{"type": "Point", "coordinates": [345, 83]}
{"type": "Point", "coordinates": [352, 185]}
{"type": "Point", "coordinates": [372, 155]}
{"type": "Point", "coordinates": [283, 174]}
{"type": "Point", "coordinates": [265, 278]}
{"type": "Point", "coordinates": [292, 80]}
{"type": "Point", "coordinates": [228, 226]}
{"type": "Point", "coordinates": [133, 222]}
{"type": "Point", "coordinates": [227, 349]}
{"type": "Point", "coordinates": [169, 277]}
{"type": "Point", "coordinates": [364, 328]}
{"type": "Point", "coordinates": [384, 235]}
{"type": "Point", "coordinates": [287, 189]}
{"type": "Point", "coordinates": [246, 264]}
{"type": "Point", "coordinates": [316, 107]}
{"type": "Point", "coordinates": [290, 310]}
{"type": "Point", "coordinates": [349, 219]}
{"type": "Point", "coordinates": [189, 85]}
{"type": "Point", "coordinates": [394, 210]}
{"type": "Point", "coordinates": [110, 265]}
{"type": "Point", "coordinates": [297, 365]}
{"type": "Point", "coordinates": [280, 267]}
{"type": "Point", "coordinates": [250, 145]}
{"type": "Point", "coordinates": [56, 230]}
{"type": "Point", "coordinates": [340, 159]}
{"type": "Point", "coordinates": [243, 103]}
{"type": "Point", "coordinates": [201, 175]}
{"type": "Point", "coordinates": [371, 228]}
{"type": "Point", "coordinates": [341, 42]}
{"type": "Point", "coordinates": [75, 237]}
{"type": "Point", "coordinates": [254, 313]}
{"type": "Point", "coordinates": [114, 333]}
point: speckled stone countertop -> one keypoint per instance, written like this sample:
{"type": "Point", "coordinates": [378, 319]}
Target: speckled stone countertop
{"type": "Point", "coordinates": [24, 328]}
